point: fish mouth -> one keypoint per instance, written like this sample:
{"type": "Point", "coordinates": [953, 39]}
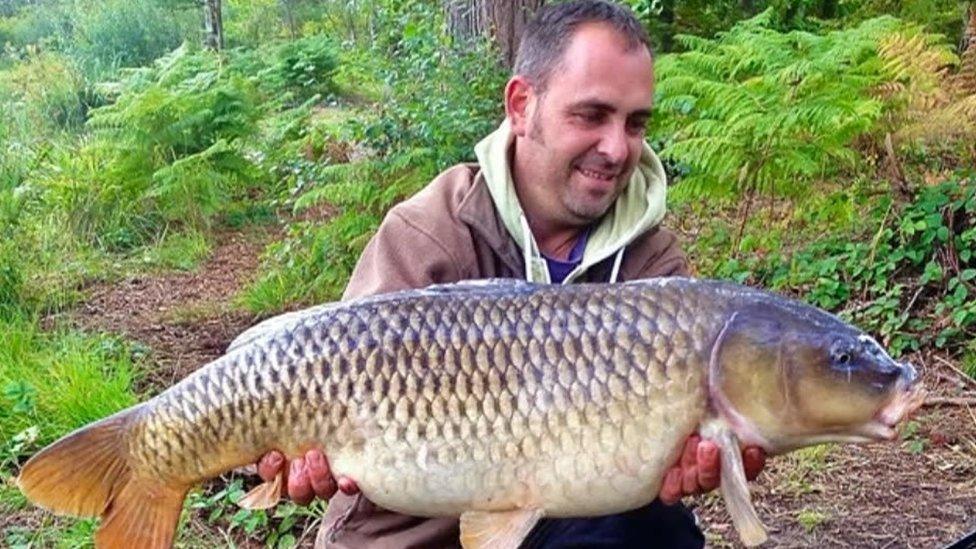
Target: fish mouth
{"type": "Point", "coordinates": [905, 402]}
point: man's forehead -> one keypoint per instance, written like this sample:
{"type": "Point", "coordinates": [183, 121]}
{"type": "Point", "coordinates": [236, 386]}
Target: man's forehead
{"type": "Point", "coordinates": [601, 54]}
{"type": "Point", "coordinates": [601, 39]}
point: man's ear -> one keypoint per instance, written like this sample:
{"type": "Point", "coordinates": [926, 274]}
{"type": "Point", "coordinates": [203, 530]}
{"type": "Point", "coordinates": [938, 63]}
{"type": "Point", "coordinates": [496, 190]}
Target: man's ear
{"type": "Point", "coordinates": [519, 98]}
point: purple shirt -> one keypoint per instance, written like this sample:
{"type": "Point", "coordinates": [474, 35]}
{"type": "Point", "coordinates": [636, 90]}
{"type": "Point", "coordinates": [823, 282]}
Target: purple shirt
{"type": "Point", "coordinates": [558, 269]}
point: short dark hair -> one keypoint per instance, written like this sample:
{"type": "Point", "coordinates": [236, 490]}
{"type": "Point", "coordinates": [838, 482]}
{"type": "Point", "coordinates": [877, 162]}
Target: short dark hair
{"type": "Point", "coordinates": [548, 34]}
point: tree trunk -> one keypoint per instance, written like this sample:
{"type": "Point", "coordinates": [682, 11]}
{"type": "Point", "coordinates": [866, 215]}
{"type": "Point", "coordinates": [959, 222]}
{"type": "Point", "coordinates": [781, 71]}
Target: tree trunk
{"type": "Point", "coordinates": [968, 42]}
{"type": "Point", "coordinates": [289, 16]}
{"type": "Point", "coordinates": [213, 25]}
{"type": "Point", "coordinates": [503, 22]}
{"type": "Point", "coordinates": [667, 21]}
{"type": "Point", "coordinates": [964, 80]}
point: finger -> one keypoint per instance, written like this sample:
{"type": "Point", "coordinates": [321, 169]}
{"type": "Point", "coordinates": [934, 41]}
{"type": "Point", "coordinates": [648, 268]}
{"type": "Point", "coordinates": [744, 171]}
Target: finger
{"type": "Point", "coordinates": [270, 465]}
{"type": "Point", "coordinates": [348, 486]}
{"type": "Point", "coordinates": [689, 454]}
{"type": "Point", "coordinates": [299, 488]}
{"type": "Point", "coordinates": [689, 481]}
{"type": "Point", "coordinates": [709, 466]}
{"type": "Point", "coordinates": [753, 461]}
{"type": "Point", "coordinates": [319, 474]}
{"type": "Point", "coordinates": [671, 487]}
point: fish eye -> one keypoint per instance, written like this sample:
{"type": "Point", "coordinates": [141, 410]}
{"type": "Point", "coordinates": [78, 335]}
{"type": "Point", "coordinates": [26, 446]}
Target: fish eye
{"type": "Point", "coordinates": [842, 353]}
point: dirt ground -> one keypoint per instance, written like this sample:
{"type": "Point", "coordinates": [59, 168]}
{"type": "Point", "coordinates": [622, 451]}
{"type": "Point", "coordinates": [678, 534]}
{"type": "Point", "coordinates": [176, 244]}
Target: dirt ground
{"type": "Point", "coordinates": [917, 492]}
{"type": "Point", "coordinates": [184, 319]}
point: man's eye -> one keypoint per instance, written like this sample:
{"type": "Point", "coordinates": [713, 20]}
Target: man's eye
{"type": "Point", "coordinates": [589, 117]}
{"type": "Point", "coordinates": [637, 126]}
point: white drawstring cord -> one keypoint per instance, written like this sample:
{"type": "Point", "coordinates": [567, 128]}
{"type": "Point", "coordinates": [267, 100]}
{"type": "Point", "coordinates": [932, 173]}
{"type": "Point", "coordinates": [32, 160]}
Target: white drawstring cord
{"type": "Point", "coordinates": [526, 247]}
{"type": "Point", "coordinates": [616, 265]}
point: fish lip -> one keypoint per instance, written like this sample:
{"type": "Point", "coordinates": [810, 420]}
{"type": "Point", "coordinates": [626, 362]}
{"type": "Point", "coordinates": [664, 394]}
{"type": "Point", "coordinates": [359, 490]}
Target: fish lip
{"type": "Point", "coordinates": [909, 397]}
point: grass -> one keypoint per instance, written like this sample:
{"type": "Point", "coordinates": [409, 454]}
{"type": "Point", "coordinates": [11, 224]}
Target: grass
{"type": "Point", "coordinates": [183, 251]}
{"type": "Point", "coordinates": [801, 468]}
{"type": "Point", "coordinates": [54, 382]}
{"type": "Point", "coordinates": [811, 519]}
{"type": "Point", "coordinates": [50, 383]}
{"type": "Point", "coordinates": [968, 362]}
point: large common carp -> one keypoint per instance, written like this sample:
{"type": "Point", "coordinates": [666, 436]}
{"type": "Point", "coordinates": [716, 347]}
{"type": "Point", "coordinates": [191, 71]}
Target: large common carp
{"type": "Point", "coordinates": [499, 401]}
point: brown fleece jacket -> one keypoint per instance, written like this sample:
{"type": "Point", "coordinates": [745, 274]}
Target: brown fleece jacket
{"type": "Point", "coordinates": [451, 231]}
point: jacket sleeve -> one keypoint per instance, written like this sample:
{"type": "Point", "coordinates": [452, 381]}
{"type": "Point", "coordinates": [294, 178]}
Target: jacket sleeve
{"type": "Point", "coordinates": [667, 257]}
{"type": "Point", "coordinates": [400, 256]}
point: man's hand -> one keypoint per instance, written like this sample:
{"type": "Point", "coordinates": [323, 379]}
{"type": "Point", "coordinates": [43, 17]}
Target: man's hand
{"type": "Point", "coordinates": [699, 469]}
{"type": "Point", "coordinates": [306, 477]}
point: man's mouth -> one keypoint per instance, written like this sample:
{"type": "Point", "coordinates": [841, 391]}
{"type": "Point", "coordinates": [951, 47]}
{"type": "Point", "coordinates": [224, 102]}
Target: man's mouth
{"type": "Point", "coordinates": [603, 176]}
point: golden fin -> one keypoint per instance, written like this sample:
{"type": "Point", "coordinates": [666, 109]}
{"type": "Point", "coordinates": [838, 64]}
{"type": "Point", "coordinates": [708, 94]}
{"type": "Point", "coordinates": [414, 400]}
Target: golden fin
{"type": "Point", "coordinates": [78, 474]}
{"type": "Point", "coordinates": [143, 514]}
{"type": "Point", "coordinates": [87, 473]}
{"type": "Point", "coordinates": [734, 486]}
{"type": "Point", "coordinates": [264, 495]}
{"type": "Point", "coordinates": [500, 529]}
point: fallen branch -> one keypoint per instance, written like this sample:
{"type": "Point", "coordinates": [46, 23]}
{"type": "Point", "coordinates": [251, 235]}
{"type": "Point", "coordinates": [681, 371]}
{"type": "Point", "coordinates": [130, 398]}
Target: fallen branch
{"type": "Point", "coordinates": [961, 373]}
{"type": "Point", "coordinates": [950, 401]}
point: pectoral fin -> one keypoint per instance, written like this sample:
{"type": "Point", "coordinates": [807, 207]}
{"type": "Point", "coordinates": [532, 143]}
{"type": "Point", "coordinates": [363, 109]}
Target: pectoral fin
{"type": "Point", "coordinates": [499, 529]}
{"type": "Point", "coordinates": [735, 487]}
{"type": "Point", "coordinates": [264, 495]}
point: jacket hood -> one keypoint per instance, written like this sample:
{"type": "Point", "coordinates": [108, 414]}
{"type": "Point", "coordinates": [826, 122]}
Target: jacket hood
{"type": "Point", "coordinates": [639, 207]}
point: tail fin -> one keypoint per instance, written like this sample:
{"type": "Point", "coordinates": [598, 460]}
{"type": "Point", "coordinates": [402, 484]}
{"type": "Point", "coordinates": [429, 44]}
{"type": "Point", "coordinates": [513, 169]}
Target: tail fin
{"type": "Point", "coordinates": [87, 473]}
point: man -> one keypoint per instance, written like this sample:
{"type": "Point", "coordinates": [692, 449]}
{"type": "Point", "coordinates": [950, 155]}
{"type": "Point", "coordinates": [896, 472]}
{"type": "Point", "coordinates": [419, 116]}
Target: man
{"type": "Point", "coordinates": [565, 190]}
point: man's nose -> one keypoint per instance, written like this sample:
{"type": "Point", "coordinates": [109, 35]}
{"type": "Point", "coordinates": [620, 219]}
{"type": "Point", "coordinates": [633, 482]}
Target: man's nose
{"type": "Point", "coordinates": [613, 144]}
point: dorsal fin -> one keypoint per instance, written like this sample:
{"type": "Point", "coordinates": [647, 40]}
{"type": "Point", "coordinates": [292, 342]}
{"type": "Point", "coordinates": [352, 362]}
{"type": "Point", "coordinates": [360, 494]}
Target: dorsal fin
{"type": "Point", "coordinates": [485, 285]}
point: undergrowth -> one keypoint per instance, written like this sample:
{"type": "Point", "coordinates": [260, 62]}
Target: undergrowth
{"type": "Point", "coordinates": [360, 166]}
{"type": "Point", "coordinates": [905, 273]}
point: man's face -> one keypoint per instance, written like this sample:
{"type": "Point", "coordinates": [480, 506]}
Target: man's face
{"type": "Point", "coordinates": [579, 142]}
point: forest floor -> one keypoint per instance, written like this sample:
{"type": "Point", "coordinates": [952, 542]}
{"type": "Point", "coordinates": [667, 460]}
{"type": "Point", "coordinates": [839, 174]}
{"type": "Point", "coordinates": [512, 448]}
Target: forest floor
{"type": "Point", "coordinates": [917, 492]}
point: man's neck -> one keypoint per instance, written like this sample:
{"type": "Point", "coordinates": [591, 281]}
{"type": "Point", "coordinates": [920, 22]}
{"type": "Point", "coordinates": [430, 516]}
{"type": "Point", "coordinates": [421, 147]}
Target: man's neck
{"type": "Point", "coordinates": [554, 236]}
{"type": "Point", "coordinates": [556, 243]}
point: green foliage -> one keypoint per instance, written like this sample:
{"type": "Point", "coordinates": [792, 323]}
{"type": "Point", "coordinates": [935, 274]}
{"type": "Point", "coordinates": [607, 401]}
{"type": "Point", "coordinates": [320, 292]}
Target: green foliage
{"type": "Point", "coordinates": [290, 72]}
{"type": "Point", "coordinates": [164, 153]}
{"type": "Point", "coordinates": [914, 441]}
{"type": "Point", "coordinates": [177, 251]}
{"type": "Point", "coordinates": [53, 382]}
{"type": "Point", "coordinates": [944, 17]}
{"type": "Point", "coordinates": [126, 33]}
{"type": "Point", "coordinates": [811, 519]}
{"type": "Point", "coordinates": [103, 36]}
{"type": "Point", "coordinates": [277, 527]}
{"type": "Point", "coordinates": [666, 19]}
{"type": "Point", "coordinates": [425, 108]}
{"type": "Point", "coordinates": [909, 280]}
{"type": "Point", "coordinates": [761, 109]}
{"type": "Point", "coordinates": [46, 92]}
{"type": "Point", "coordinates": [969, 360]}
{"type": "Point", "coordinates": [423, 123]}
{"type": "Point", "coordinates": [313, 264]}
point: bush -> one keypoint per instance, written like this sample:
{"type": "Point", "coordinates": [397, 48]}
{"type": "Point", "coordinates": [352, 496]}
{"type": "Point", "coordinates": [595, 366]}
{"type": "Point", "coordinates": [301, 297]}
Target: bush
{"type": "Point", "coordinates": [423, 123]}
{"type": "Point", "coordinates": [47, 93]}
{"type": "Point", "coordinates": [165, 153]}
{"type": "Point", "coordinates": [759, 109]}
{"type": "Point", "coordinates": [290, 72]}
{"type": "Point", "coordinates": [909, 277]}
